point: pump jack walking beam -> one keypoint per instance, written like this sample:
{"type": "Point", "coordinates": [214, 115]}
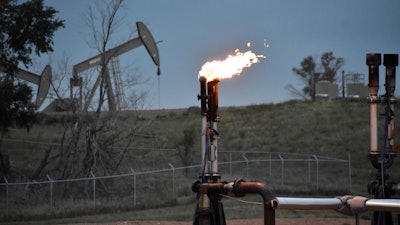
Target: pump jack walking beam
{"type": "Point", "coordinates": [43, 82]}
{"type": "Point", "coordinates": [145, 38]}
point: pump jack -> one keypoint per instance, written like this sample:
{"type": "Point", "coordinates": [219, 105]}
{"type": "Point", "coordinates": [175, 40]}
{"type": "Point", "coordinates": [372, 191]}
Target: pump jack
{"type": "Point", "coordinates": [145, 38]}
{"type": "Point", "coordinates": [43, 82]}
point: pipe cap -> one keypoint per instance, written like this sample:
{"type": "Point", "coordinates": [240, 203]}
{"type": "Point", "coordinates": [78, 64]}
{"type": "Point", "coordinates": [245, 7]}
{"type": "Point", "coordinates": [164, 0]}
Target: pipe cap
{"type": "Point", "coordinates": [373, 59]}
{"type": "Point", "coordinates": [391, 60]}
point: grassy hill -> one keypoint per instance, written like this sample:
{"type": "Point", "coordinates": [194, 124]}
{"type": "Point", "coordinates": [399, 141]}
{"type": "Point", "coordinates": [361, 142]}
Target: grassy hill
{"type": "Point", "coordinates": [332, 128]}
{"type": "Point", "coordinates": [329, 128]}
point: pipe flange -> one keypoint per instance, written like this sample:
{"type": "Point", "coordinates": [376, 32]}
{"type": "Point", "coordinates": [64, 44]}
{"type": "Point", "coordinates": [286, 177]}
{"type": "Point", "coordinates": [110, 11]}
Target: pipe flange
{"type": "Point", "coordinates": [196, 186]}
{"type": "Point", "coordinates": [236, 188]}
{"type": "Point", "coordinates": [374, 99]}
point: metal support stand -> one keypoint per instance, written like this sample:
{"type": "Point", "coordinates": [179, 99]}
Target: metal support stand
{"type": "Point", "coordinates": [382, 160]}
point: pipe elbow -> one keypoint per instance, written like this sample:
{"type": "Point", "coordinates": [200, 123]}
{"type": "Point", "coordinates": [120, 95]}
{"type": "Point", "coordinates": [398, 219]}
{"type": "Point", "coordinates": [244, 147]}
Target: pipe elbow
{"type": "Point", "coordinates": [240, 188]}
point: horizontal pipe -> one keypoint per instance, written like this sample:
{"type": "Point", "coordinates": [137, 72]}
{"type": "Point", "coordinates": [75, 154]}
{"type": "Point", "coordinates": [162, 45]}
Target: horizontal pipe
{"type": "Point", "coordinates": [387, 205]}
{"type": "Point", "coordinates": [348, 205]}
{"type": "Point", "coordinates": [309, 203]}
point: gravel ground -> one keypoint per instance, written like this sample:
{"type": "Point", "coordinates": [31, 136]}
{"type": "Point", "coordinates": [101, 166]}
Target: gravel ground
{"type": "Point", "coordinates": [302, 221]}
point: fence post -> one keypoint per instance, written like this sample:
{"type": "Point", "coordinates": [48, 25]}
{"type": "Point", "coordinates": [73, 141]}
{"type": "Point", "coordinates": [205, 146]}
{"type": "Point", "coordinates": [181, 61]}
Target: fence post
{"type": "Point", "coordinates": [349, 162]}
{"type": "Point", "coordinates": [247, 165]}
{"type": "Point", "coordinates": [316, 159]}
{"type": "Point", "coordinates": [94, 189]}
{"type": "Point", "coordinates": [270, 166]}
{"type": "Point", "coordinates": [230, 164]}
{"type": "Point", "coordinates": [173, 180]}
{"type": "Point", "coordinates": [282, 169]}
{"type": "Point", "coordinates": [134, 187]}
{"type": "Point", "coordinates": [309, 169]}
{"type": "Point", "coordinates": [51, 192]}
{"type": "Point", "coordinates": [5, 179]}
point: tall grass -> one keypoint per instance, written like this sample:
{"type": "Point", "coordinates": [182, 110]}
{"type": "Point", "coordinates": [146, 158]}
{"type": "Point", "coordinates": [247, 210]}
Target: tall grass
{"type": "Point", "coordinates": [329, 128]}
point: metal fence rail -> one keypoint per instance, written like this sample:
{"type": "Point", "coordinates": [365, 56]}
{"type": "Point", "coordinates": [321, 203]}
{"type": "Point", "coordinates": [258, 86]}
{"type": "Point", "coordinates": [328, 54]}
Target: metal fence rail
{"type": "Point", "coordinates": [279, 170]}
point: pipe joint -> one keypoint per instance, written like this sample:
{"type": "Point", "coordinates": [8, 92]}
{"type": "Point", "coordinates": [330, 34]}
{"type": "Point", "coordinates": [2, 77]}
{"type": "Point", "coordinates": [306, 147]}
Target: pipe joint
{"type": "Point", "coordinates": [236, 188]}
{"type": "Point", "coordinates": [352, 205]}
{"type": "Point", "coordinates": [373, 99]}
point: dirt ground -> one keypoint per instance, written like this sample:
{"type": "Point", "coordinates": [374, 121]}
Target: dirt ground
{"type": "Point", "coordinates": [302, 221]}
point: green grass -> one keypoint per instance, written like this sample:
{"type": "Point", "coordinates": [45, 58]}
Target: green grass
{"type": "Point", "coordinates": [327, 128]}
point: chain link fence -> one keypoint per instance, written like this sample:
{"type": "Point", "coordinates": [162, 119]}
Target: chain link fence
{"type": "Point", "coordinates": [171, 184]}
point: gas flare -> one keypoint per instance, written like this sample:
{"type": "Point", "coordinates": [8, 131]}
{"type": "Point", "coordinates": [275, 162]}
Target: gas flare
{"type": "Point", "coordinates": [232, 65]}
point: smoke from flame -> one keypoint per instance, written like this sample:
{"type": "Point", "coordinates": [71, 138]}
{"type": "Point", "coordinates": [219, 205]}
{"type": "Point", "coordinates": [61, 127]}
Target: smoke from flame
{"type": "Point", "coordinates": [232, 65]}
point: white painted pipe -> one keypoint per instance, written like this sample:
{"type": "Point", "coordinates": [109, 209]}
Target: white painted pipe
{"type": "Point", "coordinates": [308, 203]}
{"type": "Point", "coordinates": [345, 204]}
{"type": "Point", "coordinates": [373, 126]}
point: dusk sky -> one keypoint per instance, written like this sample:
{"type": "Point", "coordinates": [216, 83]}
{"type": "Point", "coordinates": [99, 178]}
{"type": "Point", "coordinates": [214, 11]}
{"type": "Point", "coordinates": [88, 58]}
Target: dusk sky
{"type": "Point", "coordinates": [194, 32]}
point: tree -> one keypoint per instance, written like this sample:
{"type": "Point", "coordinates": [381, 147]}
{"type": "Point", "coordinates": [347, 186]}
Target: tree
{"type": "Point", "coordinates": [96, 140]}
{"type": "Point", "coordinates": [24, 29]}
{"type": "Point", "coordinates": [329, 65]}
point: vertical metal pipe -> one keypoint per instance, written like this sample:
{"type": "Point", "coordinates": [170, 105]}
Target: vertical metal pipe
{"type": "Point", "coordinates": [390, 61]}
{"type": "Point", "coordinates": [213, 99]}
{"type": "Point", "coordinates": [214, 151]}
{"type": "Point", "coordinates": [203, 102]}
{"type": "Point", "coordinates": [343, 84]}
{"type": "Point", "coordinates": [204, 131]}
{"type": "Point", "coordinates": [373, 60]}
{"type": "Point", "coordinates": [269, 214]}
{"type": "Point", "coordinates": [213, 119]}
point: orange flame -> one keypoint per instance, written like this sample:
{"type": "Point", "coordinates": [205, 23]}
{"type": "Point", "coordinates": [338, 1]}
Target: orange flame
{"type": "Point", "coordinates": [232, 65]}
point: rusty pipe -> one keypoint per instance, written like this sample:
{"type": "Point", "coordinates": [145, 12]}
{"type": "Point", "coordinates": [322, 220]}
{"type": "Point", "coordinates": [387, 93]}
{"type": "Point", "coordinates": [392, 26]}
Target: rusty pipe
{"type": "Point", "coordinates": [203, 100]}
{"type": "Point", "coordinates": [390, 61]}
{"type": "Point", "coordinates": [213, 120]}
{"type": "Point", "coordinates": [204, 191]}
{"type": "Point", "coordinates": [373, 60]}
{"type": "Point", "coordinates": [213, 98]}
{"type": "Point", "coordinates": [240, 188]}
{"type": "Point", "coordinates": [203, 95]}
{"type": "Point", "coordinates": [207, 188]}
